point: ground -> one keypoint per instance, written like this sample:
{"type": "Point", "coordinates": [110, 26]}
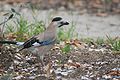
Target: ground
{"type": "Point", "coordinates": [78, 64]}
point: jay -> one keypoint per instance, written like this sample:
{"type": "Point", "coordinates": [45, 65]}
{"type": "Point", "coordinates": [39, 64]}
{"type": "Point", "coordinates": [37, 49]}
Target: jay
{"type": "Point", "coordinates": [42, 43]}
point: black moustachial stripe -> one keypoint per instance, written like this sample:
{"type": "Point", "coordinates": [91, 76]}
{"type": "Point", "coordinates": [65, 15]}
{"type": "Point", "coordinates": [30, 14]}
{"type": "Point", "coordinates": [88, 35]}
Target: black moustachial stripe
{"type": "Point", "coordinates": [57, 19]}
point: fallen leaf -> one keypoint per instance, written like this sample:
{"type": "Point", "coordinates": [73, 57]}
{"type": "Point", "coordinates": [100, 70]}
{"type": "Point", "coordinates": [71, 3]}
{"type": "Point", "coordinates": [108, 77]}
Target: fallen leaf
{"type": "Point", "coordinates": [74, 64]}
{"type": "Point", "coordinates": [11, 36]}
{"type": "Point", "coordinates": [114, 73]}
{"type": "Point", "coordinates": [102, 14]}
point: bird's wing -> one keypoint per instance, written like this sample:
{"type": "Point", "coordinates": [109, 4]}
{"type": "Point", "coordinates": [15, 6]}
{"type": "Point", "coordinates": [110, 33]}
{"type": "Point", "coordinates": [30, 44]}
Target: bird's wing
{"type": "Point", "coordinates": [33, 40]}
{"type": "Point", "coordinates": [30, 42]}
{"type": "Point", "coordinates": [39, 40]}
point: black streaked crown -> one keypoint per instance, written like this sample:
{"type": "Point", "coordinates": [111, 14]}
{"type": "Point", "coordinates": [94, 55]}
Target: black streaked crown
{"type": "Point", "coordinates": [56, 19]}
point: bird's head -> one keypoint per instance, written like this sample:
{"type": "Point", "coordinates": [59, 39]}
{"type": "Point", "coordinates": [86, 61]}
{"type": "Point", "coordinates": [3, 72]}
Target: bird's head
{"type": "Point", "coordinates": [59, 22]}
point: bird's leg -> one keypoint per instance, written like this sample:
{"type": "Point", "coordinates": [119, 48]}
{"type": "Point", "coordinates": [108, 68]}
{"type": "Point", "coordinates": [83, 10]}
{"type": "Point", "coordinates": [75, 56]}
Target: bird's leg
{"type": "Point", "coordinates": [49, 56]}
{"type": "Point", "coordinates": [49, 65]}
{"type": "Point", "coordinates": [42, 62]}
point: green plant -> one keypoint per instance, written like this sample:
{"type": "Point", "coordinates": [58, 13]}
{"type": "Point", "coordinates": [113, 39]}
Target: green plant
{"type": "Point", "coordinates": [22, 28]}
{"type": "Point", "coordinates": [87, 40]}
{"type": "Point", "coordinates": [107, 1]}
{"type": "Point", "coordinates": [68, 34]}
{"type": "Point", "coordinates": [36, 28]}
{"type": "Point", "coordinates": [9, 28]}
{"type": "Point", "coordinates": [100, 41]}
{"type": "Point", "coordinates": [66, 48]}
{"type": "Point", "coordinates": [115, 43]}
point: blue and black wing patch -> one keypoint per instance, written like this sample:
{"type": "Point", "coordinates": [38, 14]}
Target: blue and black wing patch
{"type": "Point", "coordinates": [46, 42]}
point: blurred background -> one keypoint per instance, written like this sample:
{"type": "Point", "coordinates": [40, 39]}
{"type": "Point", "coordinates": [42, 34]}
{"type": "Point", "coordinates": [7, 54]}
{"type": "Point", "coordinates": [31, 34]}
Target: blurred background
{"type": "Point", "coordinates": [90, 18]}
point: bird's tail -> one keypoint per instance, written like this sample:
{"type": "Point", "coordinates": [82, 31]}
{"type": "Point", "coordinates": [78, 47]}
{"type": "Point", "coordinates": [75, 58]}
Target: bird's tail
{"type": "Point", "coordinates": [8, 42]}
{"type": "Point", "coordinates": [12, 42]}
{"type": "Point", "coordinates": [20, 47]}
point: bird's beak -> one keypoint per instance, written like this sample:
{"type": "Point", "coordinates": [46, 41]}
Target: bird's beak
{"type": "Point", "coordinates": [63, 23]}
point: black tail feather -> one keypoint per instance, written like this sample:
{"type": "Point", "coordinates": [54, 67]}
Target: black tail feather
{"type": "Point", "coordinates": [8, 42]}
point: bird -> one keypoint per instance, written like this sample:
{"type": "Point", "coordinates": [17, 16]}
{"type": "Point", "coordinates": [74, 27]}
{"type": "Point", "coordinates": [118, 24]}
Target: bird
{"type": "Point", "coordinates": [42, 43]}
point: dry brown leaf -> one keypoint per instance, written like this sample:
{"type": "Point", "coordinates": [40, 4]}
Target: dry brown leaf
{"type": "Point", "coordinates": [73, 64]}
{"type": "Point", "coordinates": [78, 3]}
{"type": "Point", "coordinates": [95, 5]}
{"type": "Point", "coordinates": [76, 43]}
{"type": "Point", "coordinates": [102, 14]}
{"type": "Point", "coordinates": [76, 65]}
{"type": "Point", "coordinates": [116, 1]}
{"type": "Point", "coordinates": [98, 1]}
{"type": "Point", "coordinates": [11, 36]}
{"type": "Point", "coordinates": [114, 73]}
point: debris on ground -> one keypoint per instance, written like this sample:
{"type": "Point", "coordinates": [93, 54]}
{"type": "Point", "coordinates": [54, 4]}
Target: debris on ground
{"type": "Point", "coordinates": [79, 64]}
